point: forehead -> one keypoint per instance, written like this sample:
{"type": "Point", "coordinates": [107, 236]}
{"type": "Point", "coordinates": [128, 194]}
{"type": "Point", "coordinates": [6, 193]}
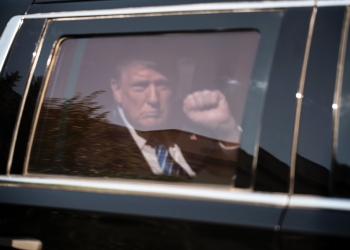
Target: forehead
{"type": "Point", "coordinates": [139, 72]}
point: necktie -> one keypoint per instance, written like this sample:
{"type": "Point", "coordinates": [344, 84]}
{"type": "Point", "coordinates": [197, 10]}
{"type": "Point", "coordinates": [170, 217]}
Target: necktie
{"type": "Point", "coordinates": [168, 165]}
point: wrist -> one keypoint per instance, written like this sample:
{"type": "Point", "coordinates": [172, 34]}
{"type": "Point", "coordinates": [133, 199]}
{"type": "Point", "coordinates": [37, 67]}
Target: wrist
{"type": "Point", "coordinates": [229, 132]}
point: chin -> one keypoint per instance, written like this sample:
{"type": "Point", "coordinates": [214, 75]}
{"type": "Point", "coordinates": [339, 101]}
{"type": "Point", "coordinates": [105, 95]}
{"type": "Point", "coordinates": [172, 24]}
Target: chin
{"type": "Point", "coordinates": [151, 124]}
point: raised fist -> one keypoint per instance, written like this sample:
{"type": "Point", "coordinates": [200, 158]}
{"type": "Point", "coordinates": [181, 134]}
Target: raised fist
{"type": "Point", "coordinates": [210, 109]}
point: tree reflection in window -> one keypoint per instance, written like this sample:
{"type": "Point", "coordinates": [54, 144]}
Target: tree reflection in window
{"type": "Point", "coordinates": [74, 137]}
{"type": "Point", "coordinates": [61, 127]}
{"type": "Point", "coordinates": [9, 105]}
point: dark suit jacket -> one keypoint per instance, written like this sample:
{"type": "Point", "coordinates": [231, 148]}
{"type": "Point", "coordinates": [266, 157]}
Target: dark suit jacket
{"type": "Point", "coordinates": [110, 148]}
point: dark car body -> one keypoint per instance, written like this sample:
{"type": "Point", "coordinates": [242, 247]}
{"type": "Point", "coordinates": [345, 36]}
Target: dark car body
{"type": "Point", "coordinates": [293, 181]}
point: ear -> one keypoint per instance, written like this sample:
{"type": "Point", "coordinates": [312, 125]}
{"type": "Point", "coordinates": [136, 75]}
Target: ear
{"type": "Point", "coordinates": [116, 89]}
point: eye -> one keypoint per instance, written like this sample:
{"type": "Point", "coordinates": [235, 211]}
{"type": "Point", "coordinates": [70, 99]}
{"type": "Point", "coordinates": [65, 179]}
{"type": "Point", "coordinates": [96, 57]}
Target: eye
{"type": "Point", "coordinates": [162, 84]}
{"type": "Point", "coordinates": [140, 86]}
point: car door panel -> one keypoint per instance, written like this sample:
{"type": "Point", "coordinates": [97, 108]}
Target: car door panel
{"type": "Point", "coordinates": [81, 213]}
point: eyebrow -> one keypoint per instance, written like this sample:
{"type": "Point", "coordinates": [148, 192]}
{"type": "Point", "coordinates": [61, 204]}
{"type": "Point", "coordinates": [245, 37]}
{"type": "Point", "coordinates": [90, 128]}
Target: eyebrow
{"type": "Point", "coordinates": [140, 82]}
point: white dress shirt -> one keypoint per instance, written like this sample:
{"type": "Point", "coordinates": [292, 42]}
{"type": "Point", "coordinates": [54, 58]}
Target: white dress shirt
{"type": "Point", "coordinates": [149, 152]}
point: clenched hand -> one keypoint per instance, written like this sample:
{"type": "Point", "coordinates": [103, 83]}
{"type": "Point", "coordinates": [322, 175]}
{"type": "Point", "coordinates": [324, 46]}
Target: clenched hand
{"type": "Point", "coordinates": [210, 109]}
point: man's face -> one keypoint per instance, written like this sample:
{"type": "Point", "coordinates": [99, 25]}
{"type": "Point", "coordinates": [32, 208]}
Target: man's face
{"type": "Point", "coordinates": [144, 95]}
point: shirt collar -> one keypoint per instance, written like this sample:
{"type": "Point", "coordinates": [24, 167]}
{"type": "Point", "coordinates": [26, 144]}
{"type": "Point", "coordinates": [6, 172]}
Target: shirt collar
{"type": "Point", "coordinates": [140, 141]}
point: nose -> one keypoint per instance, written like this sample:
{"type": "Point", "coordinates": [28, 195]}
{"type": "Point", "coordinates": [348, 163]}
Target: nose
{"type": "Point", "coordinates": [153, 97]}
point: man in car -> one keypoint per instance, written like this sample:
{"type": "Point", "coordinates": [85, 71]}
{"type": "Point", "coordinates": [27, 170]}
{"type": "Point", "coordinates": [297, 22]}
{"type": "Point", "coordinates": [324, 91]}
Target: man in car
{"type": "Point", "coordinates": [144, 96]}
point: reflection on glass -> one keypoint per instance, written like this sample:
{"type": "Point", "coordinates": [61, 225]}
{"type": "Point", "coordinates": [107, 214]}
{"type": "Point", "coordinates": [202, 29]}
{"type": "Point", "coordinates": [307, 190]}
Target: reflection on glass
{"type": "Point", "coordinates": [9, 104]}
{"type": "Point", "coordinates": [341, 164]}
{"type": "Point", "coordinates": [157, 107]}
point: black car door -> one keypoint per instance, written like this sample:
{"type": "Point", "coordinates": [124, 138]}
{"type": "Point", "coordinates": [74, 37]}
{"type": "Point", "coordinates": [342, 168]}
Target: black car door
{"type": "Point", "coordinates": [76, 207]}
{"type": "Point", "coordinates": [318, 214]}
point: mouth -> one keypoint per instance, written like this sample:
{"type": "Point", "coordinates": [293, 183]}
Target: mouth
{"type": "Point", "coordinates": [152, 114]}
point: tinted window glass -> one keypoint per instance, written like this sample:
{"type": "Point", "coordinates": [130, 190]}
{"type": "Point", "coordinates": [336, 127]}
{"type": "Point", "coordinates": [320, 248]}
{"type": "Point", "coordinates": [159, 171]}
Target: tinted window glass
{"type": "Point", "coordinates": [313, 160]}
{"type": "Point", "coordinates": [13, 79]}
{"type": "Point", "coordinates": [341, 164]}
{"type": "Point", "coordinates": [155, 107]}
{"type": "Point", "coordinates": [273, 167]}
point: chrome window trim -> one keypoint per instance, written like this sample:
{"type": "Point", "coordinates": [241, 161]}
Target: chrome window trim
{"type": "Point", "coordinates": [314, 202]}
{"type": "Point", "coordinates": [183, 192]}
{"type": "Point", "coordinates": [176, 8]}
{"type": "Point", "coordinates": [299, 97]}
{"type": "Point", "coordinates": [338, 90]}
{"type": "Point", "coordinates": [8, 36]}
{"type": "Point", "coordinates": [220, 194]}
{"type": "Point", "coordinates": [329, 3]}
{"type": "Point", "coordinates": [25, 94]}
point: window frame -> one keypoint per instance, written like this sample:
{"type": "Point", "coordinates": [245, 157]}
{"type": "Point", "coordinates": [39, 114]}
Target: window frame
{"type": "Point", "coordinates": [52, 43]}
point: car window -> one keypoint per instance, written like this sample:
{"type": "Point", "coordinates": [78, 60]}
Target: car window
{"type": "Point", "coordinates": [162, 107]}
{"type": "Point", "coordinates": [278, 121]}
{"type": "Point", "coordinates": [13, 80]}
{"type": "Point", "coordinates": [179, 66]}
{"type": "Point", "coordinates": [314, 151]}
